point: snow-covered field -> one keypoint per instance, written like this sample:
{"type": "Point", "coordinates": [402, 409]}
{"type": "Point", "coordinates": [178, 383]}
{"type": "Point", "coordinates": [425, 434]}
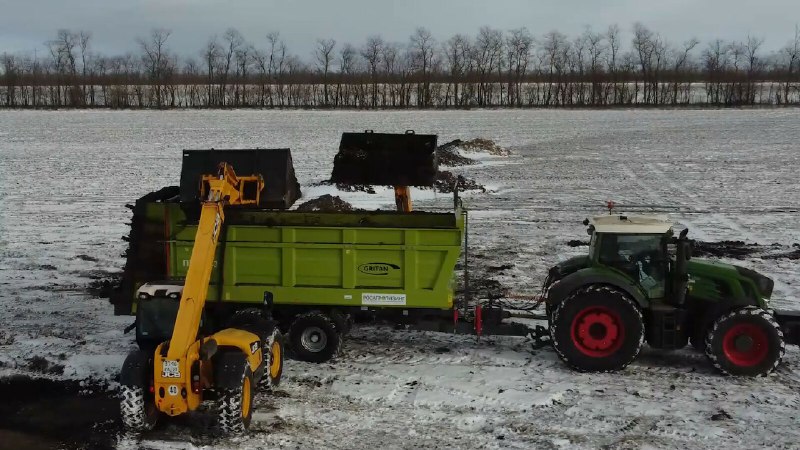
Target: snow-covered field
{"type": "Point", "coordinates": [66, 176]}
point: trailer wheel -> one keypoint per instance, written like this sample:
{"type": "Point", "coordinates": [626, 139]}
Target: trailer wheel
{"type": "Point", "coordinates": [597, 329]}
{"type": "Point", "coordinates": [746, 341]}
{"type": "Point", "coordinates": [139, 413]}
{"type": "Point", "coordinates": [273, 349]}
{"type": "Point", "coordinates": [235, 405]}
{"type": "Point", "coordinates": [314, 337]}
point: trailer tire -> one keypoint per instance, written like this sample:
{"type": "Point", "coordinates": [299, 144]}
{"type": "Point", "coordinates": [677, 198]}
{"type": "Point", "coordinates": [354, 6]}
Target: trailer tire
{"type": "Point", "coordinates": [745, 342]}
{"type": "Point", "coordinates": [597, 328]}
{"type": "Point", "coordinates": [314, 337]}
{"type": "Point", "coordinates": [139, 413]}
{"type": "Point", "coordinates": [235, 404]}
{"type": "Point", "coordinates": [343, 322]}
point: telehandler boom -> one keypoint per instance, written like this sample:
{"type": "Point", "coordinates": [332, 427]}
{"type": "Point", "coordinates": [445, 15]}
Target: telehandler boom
{"type": "Point", "coordinates": [175, 378]}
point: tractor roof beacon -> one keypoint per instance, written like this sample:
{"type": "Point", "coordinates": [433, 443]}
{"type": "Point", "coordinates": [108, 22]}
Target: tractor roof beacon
{"type": "Point", "coordinates": [639, 283]}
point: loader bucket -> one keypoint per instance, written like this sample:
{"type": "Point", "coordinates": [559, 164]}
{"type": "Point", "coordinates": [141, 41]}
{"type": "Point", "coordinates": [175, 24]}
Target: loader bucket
{"type": "Point", "coordinates": [281, 188]}
{"type": "Point", "coordinates": [386, 159]}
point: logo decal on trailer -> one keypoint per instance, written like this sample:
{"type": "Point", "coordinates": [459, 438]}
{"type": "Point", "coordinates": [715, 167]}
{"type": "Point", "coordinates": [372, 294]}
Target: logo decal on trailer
{"type": "Point", "coordinates": [377, 268]}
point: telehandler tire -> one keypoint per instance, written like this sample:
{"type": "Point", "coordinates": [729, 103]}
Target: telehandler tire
{"type": "Point", "coordinates": [314, 337]}
{"type": "Point", "coordinates": [598, 328]}
{"type": "Point", "coordinates": [235, 404]}
{"type": "Point", "coordinates": [745, 342]}
{"type": "Point", "coordinates": [273, 354]}
{"type": "Point", "coordinates": [139, 413]}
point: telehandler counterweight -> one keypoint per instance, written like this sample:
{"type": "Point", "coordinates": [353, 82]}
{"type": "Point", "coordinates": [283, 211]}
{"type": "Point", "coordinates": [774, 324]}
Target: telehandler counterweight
{"type": "Point", "coordinates": [175, 377]}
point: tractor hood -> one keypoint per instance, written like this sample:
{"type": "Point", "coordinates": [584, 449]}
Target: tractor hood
{"type": "Point", "coordinates": [718, 280]}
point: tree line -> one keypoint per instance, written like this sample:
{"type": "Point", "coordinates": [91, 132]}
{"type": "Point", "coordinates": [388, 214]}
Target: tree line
{"type": "Point", "coordinates": [493, 68]}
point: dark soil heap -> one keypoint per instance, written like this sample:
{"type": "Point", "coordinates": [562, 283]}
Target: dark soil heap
{"type": "Point", "coordinates": [446, 183]}
{"type": "Point", "coordinates": [447, 155]}
{"type": "Point", "coordinates": [485, 145]}
{"type": "Point", "coordinates": [325, 203]}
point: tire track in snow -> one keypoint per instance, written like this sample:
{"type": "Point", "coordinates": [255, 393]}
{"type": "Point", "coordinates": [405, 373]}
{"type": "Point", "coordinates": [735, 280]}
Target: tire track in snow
{"type": "Point", "coordinates": [697, 204]}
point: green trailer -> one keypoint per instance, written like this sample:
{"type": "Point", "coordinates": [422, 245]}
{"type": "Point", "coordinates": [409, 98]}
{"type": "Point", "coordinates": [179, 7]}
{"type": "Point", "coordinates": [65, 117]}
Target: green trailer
{"type": "Point", "coordinates": [313, 270]}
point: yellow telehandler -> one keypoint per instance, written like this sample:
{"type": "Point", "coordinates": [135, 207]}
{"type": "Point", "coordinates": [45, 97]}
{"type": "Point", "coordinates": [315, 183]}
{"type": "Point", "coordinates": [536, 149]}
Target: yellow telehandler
{"type": "Point", "coordinates": [227, 365]}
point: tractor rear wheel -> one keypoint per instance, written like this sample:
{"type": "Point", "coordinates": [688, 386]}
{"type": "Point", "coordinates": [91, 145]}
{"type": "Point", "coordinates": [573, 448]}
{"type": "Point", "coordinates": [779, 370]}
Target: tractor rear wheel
{"type": "Point", "coordinates": [235, 405]}
{"type": "Point", "coordinates": [139, 412]}
{"type": "Point", "coordinates": [746, 341]}
{"type": "Point", "coordinates": [314, 337]}
{"type": "Point", "coordinates": [597, 328]}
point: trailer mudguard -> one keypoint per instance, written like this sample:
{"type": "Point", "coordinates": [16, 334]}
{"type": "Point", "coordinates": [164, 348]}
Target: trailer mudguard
{"type": "Point", "coordinates": [561, 289]}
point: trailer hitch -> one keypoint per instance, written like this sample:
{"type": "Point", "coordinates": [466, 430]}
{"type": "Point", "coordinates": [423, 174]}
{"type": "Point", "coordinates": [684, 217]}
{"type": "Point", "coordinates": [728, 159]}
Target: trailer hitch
{"type": "Point", "coordinates": [540, 336]}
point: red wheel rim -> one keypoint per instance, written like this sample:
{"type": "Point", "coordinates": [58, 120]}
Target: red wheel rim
{"type": "Point", "coordinates": [597, 331]}
{"type": "Point", "coordinates": [745, 344]}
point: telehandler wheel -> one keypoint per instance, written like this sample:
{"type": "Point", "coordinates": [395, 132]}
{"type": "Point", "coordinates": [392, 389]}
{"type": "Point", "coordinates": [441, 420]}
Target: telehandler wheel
{"type": "Point", "coordinates": [139, 412]}
{"type": "Point", "coordinates": [596, 329]}
{"type": "Point", "coordinates": [273, 354]}
{"type": "Point", "coordinates": [314, 337]}
{"type": "Point", "coordinates": [746, 341]}
{"type": "Point", "coordinates": [235, 405]}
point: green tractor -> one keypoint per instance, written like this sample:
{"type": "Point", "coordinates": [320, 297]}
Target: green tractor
{"type": "Point", "coordinates": [639, 282]}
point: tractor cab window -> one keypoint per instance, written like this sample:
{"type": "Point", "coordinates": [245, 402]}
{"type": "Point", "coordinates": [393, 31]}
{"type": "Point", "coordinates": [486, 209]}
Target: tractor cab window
{"type": "Point", "coordinates": [640, 256]}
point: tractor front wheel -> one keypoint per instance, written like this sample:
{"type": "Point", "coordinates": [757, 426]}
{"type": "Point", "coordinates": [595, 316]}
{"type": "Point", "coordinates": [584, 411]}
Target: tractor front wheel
{"type": "Point", "coordinates": [746, 341]}
{"type": "Point", "coordinates": [597, 328]}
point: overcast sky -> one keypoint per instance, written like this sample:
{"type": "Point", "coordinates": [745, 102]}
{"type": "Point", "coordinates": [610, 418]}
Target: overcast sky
{"type": "Point", "coordinates": [26, 24]}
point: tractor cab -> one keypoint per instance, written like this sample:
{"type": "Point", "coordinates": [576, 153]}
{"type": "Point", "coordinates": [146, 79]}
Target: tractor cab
{"type": "Point", "coordinates": [644, 250]}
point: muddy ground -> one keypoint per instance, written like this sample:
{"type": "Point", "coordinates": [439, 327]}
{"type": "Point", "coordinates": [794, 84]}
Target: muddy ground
{"type": "Point", "coordinates": [39, 413]}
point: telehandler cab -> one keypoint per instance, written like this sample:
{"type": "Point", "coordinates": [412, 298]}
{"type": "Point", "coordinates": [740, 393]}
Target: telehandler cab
{"type": "Point", "coordinates": [633, 287]}
{"type": "Point", "coordinates": [190, 367]}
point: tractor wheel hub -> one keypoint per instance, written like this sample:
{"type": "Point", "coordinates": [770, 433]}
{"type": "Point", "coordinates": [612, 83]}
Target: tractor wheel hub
{"type": "Point", "coordinates": [743, 343]}
{"type": "Point", "coordinates": [597, 331]}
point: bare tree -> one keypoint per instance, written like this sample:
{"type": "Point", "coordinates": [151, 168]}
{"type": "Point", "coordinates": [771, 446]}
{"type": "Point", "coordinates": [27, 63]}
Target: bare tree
{"type": "Point", "coordinates": [371, 52]}
{"type": "Point", "coordinates": [519, 44]}
{"type": "Point", "coordinates": [422, 45]}
{"type": "Point", "coordinates": [680, 61]}
{"type": "Point", "coordinates": [612, 36]}
{"type": "Point", "coordinates": [156, 59]}
{"type": "Point", "coordinates": [211, 54]}
{"type": "Point", "coordinates": [457, 52]}
{"type": "Point", "coordinates": [595, 48]}
{"type": "Point", "coordinates": [232, 41]}
{"type": "Point", "coordinates": [791, 55]}
{"type": "Point", "coordinates": [324, 56]}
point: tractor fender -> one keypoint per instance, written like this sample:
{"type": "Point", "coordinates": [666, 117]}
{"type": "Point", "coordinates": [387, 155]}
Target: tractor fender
{"type": "Point", "coordinates": [584, 277]}
{"type": "Point", "coordinates": [229, 364]}
{"type": "Point", "coordinates": [137, 369]}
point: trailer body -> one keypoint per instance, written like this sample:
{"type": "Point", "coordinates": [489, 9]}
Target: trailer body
{"type": "Point", "coordinates": [380, 259]}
